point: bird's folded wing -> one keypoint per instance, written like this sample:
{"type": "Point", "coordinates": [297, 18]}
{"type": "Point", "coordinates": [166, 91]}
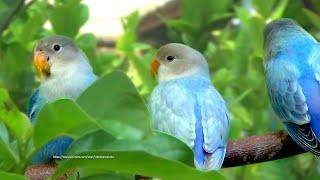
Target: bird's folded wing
{"type": "Point", "coordinates": [215, 120]}
{"type": "Point", "coordinates": [172, 110]}
{"type": "Point", "coordinates": [33, 106]}
{"type": "Point", "coordinates": [289, 102]}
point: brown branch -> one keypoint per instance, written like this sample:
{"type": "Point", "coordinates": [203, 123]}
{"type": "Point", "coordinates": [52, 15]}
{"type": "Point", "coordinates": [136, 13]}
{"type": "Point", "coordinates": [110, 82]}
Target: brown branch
{"type": "Point", "coordinates": [39, 172]}
{"type": "Point", "coordinates": [262, 148]}
{"type": "Point", "coordinates": [246, 151]}
{"type": "Point", "coordinates": [11, 16]}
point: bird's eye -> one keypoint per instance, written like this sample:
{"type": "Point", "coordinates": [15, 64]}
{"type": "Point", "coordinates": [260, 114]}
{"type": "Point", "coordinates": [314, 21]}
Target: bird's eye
{"type": "Point", "coordinates": [56, 47]}
{"type": "Point", "coordinates": [170, 58]}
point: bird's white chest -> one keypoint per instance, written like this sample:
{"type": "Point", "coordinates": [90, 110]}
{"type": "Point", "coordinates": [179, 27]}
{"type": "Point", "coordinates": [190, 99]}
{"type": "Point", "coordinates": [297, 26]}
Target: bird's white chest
{"type": "Point", "coordinates": [69, 88]}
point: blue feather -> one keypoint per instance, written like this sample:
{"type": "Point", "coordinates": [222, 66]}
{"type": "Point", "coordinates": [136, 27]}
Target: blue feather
{"type": "Point", "coordinates": [198, 142]}
{"type": "Point", "coordinates": [194, 112]}
{"type": "Point", "coordinates": [293, 71]}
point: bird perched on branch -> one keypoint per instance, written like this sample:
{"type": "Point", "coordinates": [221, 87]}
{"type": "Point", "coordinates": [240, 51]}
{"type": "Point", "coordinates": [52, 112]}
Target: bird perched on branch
{"type": "Point", "coordinates": [187, 106]}
{"type": "Point", "coordinates": [66, 73]}
{"type": "Point", "coordinates": [292, 63]}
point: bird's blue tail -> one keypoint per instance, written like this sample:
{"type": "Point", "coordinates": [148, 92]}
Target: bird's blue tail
{"type": "Point", "coordinates": [199, 153]}
{"type": "Point", "coordinates": [202, 159]}
{"type": "Point", "coordinates": [56, 147]}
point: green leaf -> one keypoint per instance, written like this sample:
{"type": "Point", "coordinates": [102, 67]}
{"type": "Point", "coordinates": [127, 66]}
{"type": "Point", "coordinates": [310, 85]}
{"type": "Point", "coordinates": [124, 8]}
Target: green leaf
{"type": "Point", "coordinates": [11, 176]}
{"type": "Point", "coordinates": [6, 152]}
{"type": "Point", "coordinates": [18, 123]}
{"type": "Point", "coordinates": [313, 17]}
{"type": "Point", "coordinates": [67, 18]}
{"type": "Point", "coordinates": [262, 7]}
{"type": "Point", "coordinates": [135, 157]}
{"type": "Point", "coordinates": [114, 97]}
{"type": "Point", "coordinates": [6, 9]}
{"type": "Point", "coordinates": [279, 10]}
{"type": "Point", "coordinates": [88, 42]}
{"type": "Point", "coordinates": [106, 62]}
{"type": "Point", "coordinates": [127, 46]}
{"type": "Point", "coordinates": [111, 176]}
{"type": "Point", "coordinates": [16, 72]}
{"type": "Point", "coordinates": [182, 26]}
{"type": "Point", "coordinates": [159, 144]}
{"type": "Point", "coordinates": [137, 162]}
{"type": "Point", "coordinates": [64, 117]}
{"type": "Point", "coordinates": [126, 41]}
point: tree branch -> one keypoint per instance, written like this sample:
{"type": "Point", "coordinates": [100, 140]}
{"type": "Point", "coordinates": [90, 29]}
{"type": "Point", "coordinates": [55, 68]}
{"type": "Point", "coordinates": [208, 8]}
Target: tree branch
{"type": "Point", "coordinates": [246, 151]}
{"type": "Point", "coordinates": [262, 148]}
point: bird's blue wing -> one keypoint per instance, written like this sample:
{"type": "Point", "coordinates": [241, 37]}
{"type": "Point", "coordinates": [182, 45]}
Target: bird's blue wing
{"type": "Point", "coordinates": [34, 105]}
{"type": "Point", "coordinates": [216, 123]}
{"type": "Point", "coordinates": [289, 102]}
{"type": "Point", "coordinates": [172, 111]}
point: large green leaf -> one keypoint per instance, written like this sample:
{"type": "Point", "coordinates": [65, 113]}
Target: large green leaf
{"type": "Point", "coordinates": [156, 156]}
{"type": "Point", "coordinates": [159, 144]}
{"type": "Point", "coordinates": [137, 162]}
{"type": "Point", "coordinates": [11, 176]}
{"type": "Point", "coordinates": [63, 117]}
{"type": "Point", "coordinates": [16, 121]}
{"type": "Point", "coordinates": [110, 176]}
{"type": "Point", "coordinates": [68, 17]}
{"type": "Point", "coordinates": [114, 97]}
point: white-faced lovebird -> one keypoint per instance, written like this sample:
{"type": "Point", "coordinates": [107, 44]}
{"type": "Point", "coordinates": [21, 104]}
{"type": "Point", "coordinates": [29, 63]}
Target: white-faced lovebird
{"type": "Point", "coordinates": [187, 106]}
{"type": "Point", "coordinates": [66, 74]}
{"type": "Point", "coordinates": [292, 62]}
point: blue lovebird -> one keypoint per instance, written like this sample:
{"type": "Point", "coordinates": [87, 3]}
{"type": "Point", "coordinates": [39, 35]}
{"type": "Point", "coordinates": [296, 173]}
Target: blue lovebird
{"type": "Point", "coordinates": [293, 80]}
{"type": "Point", "coordinates": [65, 73]}
{"type": "Point", "coordinates": [187, 106]}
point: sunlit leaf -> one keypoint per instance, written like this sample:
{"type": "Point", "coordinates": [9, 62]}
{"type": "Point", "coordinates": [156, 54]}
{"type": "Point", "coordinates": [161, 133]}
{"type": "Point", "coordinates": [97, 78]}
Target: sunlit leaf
{"type": "Point", "coordinates": [114, 97]}
{"type": "Point", "coordinates": [67, 18]}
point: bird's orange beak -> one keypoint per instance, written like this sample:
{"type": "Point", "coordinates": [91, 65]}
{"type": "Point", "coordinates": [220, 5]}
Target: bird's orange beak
{"type": "Point", "coordinates": [40, 61]}
{"type": "Point", "coordinates": [155, 64]}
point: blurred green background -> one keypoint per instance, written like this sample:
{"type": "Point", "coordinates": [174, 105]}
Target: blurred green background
{"type": "Point", "coordinates": [229, 34]}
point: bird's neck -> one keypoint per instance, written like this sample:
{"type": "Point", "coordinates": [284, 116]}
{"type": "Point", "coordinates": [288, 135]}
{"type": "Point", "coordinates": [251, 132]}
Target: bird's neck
{"type": "Point", "coordinates": [167, 76]}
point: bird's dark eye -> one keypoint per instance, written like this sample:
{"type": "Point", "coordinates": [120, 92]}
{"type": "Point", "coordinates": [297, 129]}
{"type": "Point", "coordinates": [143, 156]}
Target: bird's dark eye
{"type": "Point", "coordinates": [56, 47]}
{"type": "Point", "coordinates": [170, 58]}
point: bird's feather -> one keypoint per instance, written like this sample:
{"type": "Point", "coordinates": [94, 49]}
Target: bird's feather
{"type": "Point", "coordinates": [287, 86]}
{"type": "Point", "coordinates": [34, 103]}
{"type": "Point", "coordinates": [172, 110]}
{"type": "Point", "coordinates": [216, 122]}
{"type": "Point", "coordinates": [192, 110]}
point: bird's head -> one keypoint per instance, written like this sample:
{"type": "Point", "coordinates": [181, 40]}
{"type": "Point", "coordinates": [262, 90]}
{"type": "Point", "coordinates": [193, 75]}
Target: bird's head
{"type": "Point", "coordinates": [177, 60]}
{"type": "Point", "coordinates": [56, 54]}
{"type": "Point", "coordinates": [283, 36]}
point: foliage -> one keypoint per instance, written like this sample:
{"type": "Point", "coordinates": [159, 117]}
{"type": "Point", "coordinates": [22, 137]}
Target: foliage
{"type": "Point", "coordinates": [111, 118]}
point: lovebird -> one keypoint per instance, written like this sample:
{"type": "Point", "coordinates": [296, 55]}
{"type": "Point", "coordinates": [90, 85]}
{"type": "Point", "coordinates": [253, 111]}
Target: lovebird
{"type": "Point", "coordinates": [66, 73]}
{"type": "Point", "coordinates": [292, 69]}
{"type": "Point", "coordinates": [186, 105]}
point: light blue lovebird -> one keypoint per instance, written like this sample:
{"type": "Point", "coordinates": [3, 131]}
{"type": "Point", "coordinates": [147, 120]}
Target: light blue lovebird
{"type": "Point", "coordinates": [187, 106]}
{"type": "Point", "coordinates": [292, 58]}
{"type": "Point", "coordinates": [66, 73]}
